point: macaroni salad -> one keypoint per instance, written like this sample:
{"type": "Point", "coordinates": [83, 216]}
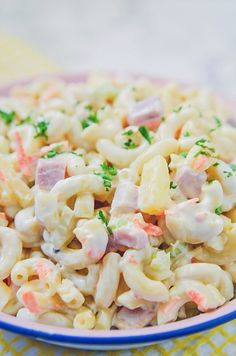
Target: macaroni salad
{"type": "Point", "coordinates": [117, 203]}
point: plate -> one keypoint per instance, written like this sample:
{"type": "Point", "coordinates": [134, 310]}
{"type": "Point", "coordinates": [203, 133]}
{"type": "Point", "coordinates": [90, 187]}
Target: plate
{"type": "Point", "coordinates": [113, 339]}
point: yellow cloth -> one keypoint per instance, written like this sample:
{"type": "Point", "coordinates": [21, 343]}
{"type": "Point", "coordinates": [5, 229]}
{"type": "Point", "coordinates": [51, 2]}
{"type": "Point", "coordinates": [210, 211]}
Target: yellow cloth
{"type": "Point", "coordinates": [17, 61]}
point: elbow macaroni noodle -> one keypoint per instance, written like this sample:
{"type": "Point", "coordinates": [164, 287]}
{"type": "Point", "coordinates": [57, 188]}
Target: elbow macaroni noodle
{"type": "Point", "coordinates": [117, 203]}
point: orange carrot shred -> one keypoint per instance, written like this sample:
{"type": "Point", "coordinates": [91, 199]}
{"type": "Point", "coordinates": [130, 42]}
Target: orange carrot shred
{"type": "Point", "coordinates": [30, 302]}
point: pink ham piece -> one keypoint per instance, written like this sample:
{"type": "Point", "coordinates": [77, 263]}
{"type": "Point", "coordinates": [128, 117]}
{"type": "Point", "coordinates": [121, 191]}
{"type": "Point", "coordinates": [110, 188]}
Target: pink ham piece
{"type": "Point", "coordinates": [147, 112]}
{"type": "Point", "coordinates": [130, 236]}
{"type": "Point", "coordinates": [49, 172]}
{"type": "Point", "coordinates": [125, 199]}
{"type": "Point", "coordinates": [190, 182]}
{"type": "Point", "coordinates": [132, 319]}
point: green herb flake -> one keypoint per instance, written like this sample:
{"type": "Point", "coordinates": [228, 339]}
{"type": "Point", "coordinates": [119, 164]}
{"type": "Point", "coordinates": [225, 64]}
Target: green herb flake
{"type": "Point", "coordinates": [233, 167]}
{"type": "Point", "coordinates": [218, 211]}
{"type": "Point", "coordinates": [218, 123]}
{"type": "Point", "coordinates": [210, 180]}
{"type": "Point", "coordinates": [26, 120]}
{"type": "Point", "coordinates": [228, 173]}
{"type": "Point", "coordinates": [163, 119]}
{"type": "Point", "coordinates": [52, 153]}
{"type": "Point", "coordinates": [146, 134]}
{"type": "Point", "coordinates": [201, 152]}
{"type": "Point", "coordinates": [101, 216]}
{"type": "Point", "coordinates": [184, 154]}
{"type": "Point", "coordinates": [89, 107]}
{"type": "Point", "coordinates": [178, 109]}
{"type": "Point", "coordinates": [91, 119]}
{"type": "Point", "coordinates": [186, 134]}
{"type": "Point", "coordinates": [129, 145]}
{"type": "Point", "coordinates": [7, 117]}
{"type": "Point", "coordinates": [173, 185]}
{"type": "Point", "coordinates": [216, 164]}
{"type": "Point", "coordinates": [41, 129]}
{"type": "Point", "coordinates": [202, 142]}
{"type": "Point", "coordinates": [128, 133]}
{"type": "Point", "coordinates": [109, 171]}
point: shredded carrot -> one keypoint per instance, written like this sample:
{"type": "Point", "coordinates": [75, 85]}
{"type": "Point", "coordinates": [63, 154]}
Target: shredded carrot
{"type": "Point", "coordinates": [2, 176]}
{"type": "Point", "coordinates": [197, 298]}
{"type": "Point", "coordinates": [30, 302]}
{"type": "Point", "coordinates": [148, 227]}
{"type": "Point", "coordinates": [152, 125]}
{"type": "Point", "coordinates": [42, 269]}
{"type": "Point", "coordinates": [24, 160]}
{"type": "Point", "coordinates": [49, 94]}
{"type": "Point", "coordinates": [199, 163]}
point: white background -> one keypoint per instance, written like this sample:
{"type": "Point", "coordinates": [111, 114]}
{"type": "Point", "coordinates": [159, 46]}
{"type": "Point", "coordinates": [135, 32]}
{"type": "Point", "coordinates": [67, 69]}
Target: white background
{"type": "Point", "coordinates": [190, 40]}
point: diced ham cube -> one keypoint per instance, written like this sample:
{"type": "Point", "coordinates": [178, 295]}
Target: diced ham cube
{"type": "Point", "coordinates": [49, 172]}
{"type": "Point", "coordinates": [190, 182]}
{"type": "Point", "coordinates": [147, 112]}
{"type": "Point", "coordinates": [131, 236]}
{"type": "Point", "coordinates": [125, 199]}
{"type": "Point", "coordinates": [136, 318]}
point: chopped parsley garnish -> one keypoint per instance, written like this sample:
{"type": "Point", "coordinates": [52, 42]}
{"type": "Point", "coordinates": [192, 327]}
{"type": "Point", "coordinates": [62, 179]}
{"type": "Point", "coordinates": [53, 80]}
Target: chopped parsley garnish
{"type": "Point", "coordinates": [233, 167]}
{"type": "Point", "coordinates": [101, 216]}
{"type": "Point", "coordinates": [202, 142]}
{"type": "Point", "coordinates": [163, 119]}
{"type": "Point", "coordinates": [7, 117]}
{"type": "Point", "coordinates": [184, 154]}
{"type": "Point", "coordinates": [210, 180]}
{"type": "Point", "coordinates": [216, 164]}
{"type": "Point", "coordinates": [173, 185]}
{"type": "Point", "coordinates": [218, 123]}
{"type": "Point", "coordinates": [186, 134]}
{"type": "Point", "coordinates": [128, 133]}
{"type": "Point", "coordinates": [89, 107]}
{"type": "Point", "coordinates": [109, 171]}
{"type": "Point", "coordinates": [41, 129]}
{"type": "Point", "coordinates": [91, 119]}
{"type": "Point", "coordinates": [218, 210]}
{"type": "Point", "coordinates": [178, 109]}
{"type": "Point", "coordinates": [228, 173]}
{"type": "Point", "coordinates": [201, 152]}
{"type": "Point", "coordinates": [129, 145]}
{"type": "Point", "coordinates": [54, 152]}
{"type": "Point", "coordinates": [145, 133]}
{"type": "Point", "coordinates": [51, 154]}
{"type": "Point", "coordinates": [26, 120]}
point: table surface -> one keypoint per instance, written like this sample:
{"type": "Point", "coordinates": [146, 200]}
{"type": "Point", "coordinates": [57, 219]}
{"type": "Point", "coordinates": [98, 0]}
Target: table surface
{"type": "Point", "coordinates": [188, 40]}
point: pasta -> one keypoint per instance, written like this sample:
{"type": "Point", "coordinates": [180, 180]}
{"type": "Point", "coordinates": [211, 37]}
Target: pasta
{"type": "Point", "coordinates": [117, 203]}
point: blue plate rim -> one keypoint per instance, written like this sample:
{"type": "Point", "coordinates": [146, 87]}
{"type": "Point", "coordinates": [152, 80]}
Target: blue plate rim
{"type": "Point", "coordinates": [121, 340]}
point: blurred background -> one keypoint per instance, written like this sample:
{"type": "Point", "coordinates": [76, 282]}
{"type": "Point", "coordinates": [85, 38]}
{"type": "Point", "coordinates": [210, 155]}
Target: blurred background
{"type": "Point", "coordinates": [189, 40]}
